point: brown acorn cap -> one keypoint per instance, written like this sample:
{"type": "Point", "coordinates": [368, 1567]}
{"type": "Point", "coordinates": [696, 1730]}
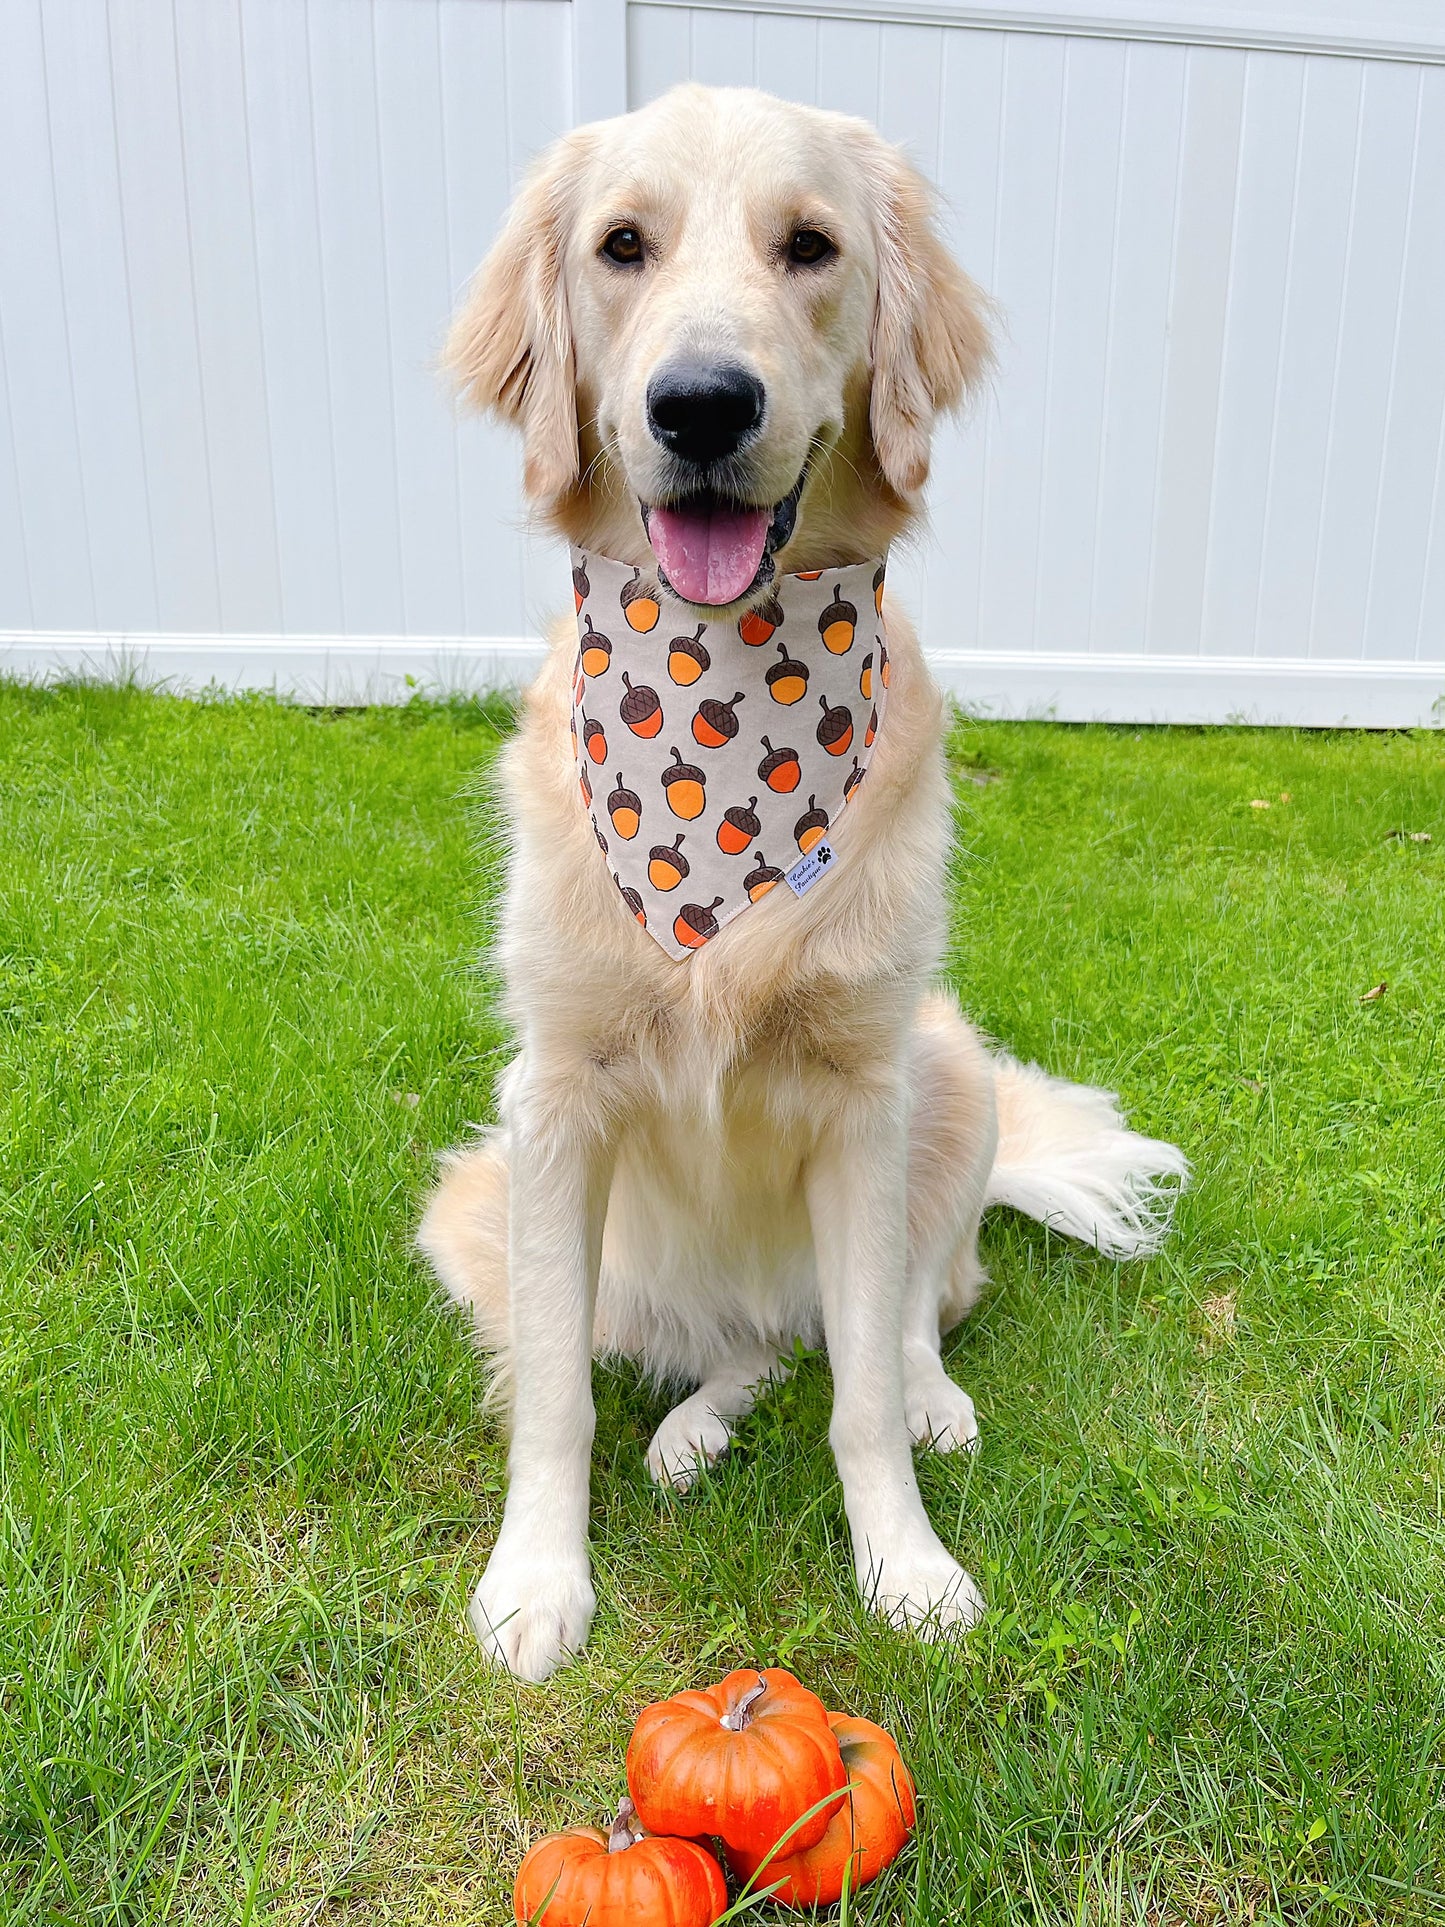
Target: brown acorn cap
{"type": "Point", "coordinates": [594, 636]}
{"type": "Point", "coordinates": [809, 817]}
{"type": "Point", "coordinates": [633, 589]}
{"type": "Point", "coordinates": [682, 772]}
{"type": "Point", "coordinates": [699, 917]}
{"type": "Point", "coordinates": [765, 872]}
{"type": "Point", "coordinates": [580, 581]}
{"type": "Point", "coordinates": [774, 759]}
{"type": "Point", "coordinates": [720, 715]}
{"type": "Point", "coordinates": [835, 722]}
{"type": "Point", "coordinates": [853, 779]}
{"type": "Point", "coordinates": [670, 853]}
{"type": "Point", "coordinates": [638, 704]}
{"type": "Point", "coordinates": [623, 798]}
{"type": "Point", "coordinates": [879, 574]}
{"type": "Point", "coordinates": [741, 814]}
{"type": "Point", "coordinates": [837, 610]}
{"type": "Point", "coordinates": [786, 666]}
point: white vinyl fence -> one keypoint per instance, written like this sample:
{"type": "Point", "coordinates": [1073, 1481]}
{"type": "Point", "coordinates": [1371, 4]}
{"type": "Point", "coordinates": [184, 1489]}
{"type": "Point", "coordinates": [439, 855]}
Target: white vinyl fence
{"type": "Point", "coordinates": [1207, 481]}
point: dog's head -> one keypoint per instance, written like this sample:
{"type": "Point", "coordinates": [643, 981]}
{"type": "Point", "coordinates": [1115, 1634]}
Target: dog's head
{"type": "Point", "coordinates": [724, 325]}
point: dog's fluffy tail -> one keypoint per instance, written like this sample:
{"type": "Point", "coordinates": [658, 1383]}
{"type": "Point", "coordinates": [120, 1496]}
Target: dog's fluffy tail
{"type": "Point", "coordinates": [1067, 1158]}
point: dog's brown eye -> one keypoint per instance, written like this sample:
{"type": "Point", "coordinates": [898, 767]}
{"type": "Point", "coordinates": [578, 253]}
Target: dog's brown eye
{"type": "Point", "coordinates": [808, 248]}
{"type": "Point", "coordinates": [624, 246]}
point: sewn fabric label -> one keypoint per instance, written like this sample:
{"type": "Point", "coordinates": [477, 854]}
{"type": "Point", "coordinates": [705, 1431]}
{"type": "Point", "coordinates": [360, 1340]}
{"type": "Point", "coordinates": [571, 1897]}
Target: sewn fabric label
{"type": "Point", "coordinates": [713, 755]}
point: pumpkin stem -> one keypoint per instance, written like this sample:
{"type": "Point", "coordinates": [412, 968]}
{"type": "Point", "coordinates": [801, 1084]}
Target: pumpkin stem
{"type": "Point", "coordinates": [625, 1832]}
{"type": "Point", "coordinates": [741, 1714]}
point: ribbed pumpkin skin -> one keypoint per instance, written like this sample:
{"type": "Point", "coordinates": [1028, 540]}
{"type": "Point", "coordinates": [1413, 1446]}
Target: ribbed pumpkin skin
{"type": "Point", "coordinates": [656, 1883]}
{"type": "Point", "coordinates": [688, 1774]}
{"type": "Point", "coordinates": [869, 1828]}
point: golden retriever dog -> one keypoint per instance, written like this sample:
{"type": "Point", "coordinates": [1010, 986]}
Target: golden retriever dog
{"type": "Point", "coordinates": [733, 309]}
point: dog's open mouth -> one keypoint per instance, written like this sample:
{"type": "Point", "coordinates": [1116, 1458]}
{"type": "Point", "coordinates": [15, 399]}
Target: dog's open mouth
{"type": "Point", "coordinates": [713, 550]}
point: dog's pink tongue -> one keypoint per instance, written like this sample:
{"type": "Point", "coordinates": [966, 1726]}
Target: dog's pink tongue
{"type": "Point", "coordinates": [709, 555]}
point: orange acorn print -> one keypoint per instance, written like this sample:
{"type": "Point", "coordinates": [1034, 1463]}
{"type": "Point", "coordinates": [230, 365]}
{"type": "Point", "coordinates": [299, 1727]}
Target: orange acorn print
{"type": "Point", "coordinates": [716, 723]}
{"type": "Point", "coordinates": [640, 708]}
{"type": "Point", "coordinates": [666, 865]}
{"type": "Point", "coordinates": [780, 769]}
{"type": "Point", "coordinates": [852, 779]}
{"type": "Point", "coordinates": [883, 664]}
{"type": "Point", "coordinates": [639, 603]}
{"type": "Point", "coordinates": [581, 587]}
{"type": "Point", "coordinates": [738, 827]}
{"type": "Point", "coordinates": [809, 575]}
{"type": "Point", "coordinates": [787, 679]}
{"type": "Point", "coordinates": [758, 882]}
{"type": "Point", "coordinates": [585, 786]}
{"type": "Point", "coordinates": [687, 659]}
{"type": "Point", "coordinates": [632, 900]}
{"type": "Point", "coordinates": [837, 624]}
{"type": "Point", "coordinates": [695, 924]}
{"type": "Point", "coordinates": [865, 678]}
{"type": "Point", "coordinates": [594, 738]}
{"type": "Point", "coordinates": [757, 626]}
{"type": "Point", "coordinates": [810, 826]}
{"type": "Point", "coordinates": [878, 588]}
{"type": "Point", "coordinates": [596, 651]}
{"type": "Point", "coordinates": [871, 731]}
{"type": "Point", "coordinates": [835, 732]}
{"type": "Point", "coordinates": [624, 806]}
{"type": "Point", "coordinates": [572, 725]}
{"type": "Point", "coordinates": [684, 787]}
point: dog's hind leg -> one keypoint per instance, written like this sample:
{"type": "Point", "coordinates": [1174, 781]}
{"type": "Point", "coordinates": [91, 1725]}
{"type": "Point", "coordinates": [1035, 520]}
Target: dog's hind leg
{"type": "Point", "coordinates": [697, 1432]}
{"type": "Point", "coordinates": [952, 1139]}
{"type": "Point", "coordinates": [464, 1236]}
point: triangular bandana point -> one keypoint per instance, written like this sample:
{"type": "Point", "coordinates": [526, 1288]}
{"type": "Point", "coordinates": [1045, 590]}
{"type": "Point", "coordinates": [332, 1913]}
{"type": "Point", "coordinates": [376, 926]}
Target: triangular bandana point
{"type": "Point", "coordinates": [714, 757]}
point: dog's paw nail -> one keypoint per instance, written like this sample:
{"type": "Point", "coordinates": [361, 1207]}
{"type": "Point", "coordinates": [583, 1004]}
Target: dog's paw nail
{"type": "Point", "coordinates": [531, 1621]}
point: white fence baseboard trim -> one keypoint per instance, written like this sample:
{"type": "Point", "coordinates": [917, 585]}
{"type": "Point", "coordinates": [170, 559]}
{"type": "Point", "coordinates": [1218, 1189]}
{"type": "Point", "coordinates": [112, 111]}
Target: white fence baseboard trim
{"type": "Point", "coordinates": [1002, 683]}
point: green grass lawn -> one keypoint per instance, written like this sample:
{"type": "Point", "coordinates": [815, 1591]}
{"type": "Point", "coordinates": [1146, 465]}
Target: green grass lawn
{"type": "Point", "coordinates": [246, 1482]}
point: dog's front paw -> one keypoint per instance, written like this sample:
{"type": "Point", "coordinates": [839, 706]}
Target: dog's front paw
{"type": "Point", "coordinates": [690, 1437]}
{"type": "Point", "coordinates": [921, 1587]}
{"type": "Point", "coordinates": [532, 1614]}
{"type": "Point", "coordinates": [940, 1413]}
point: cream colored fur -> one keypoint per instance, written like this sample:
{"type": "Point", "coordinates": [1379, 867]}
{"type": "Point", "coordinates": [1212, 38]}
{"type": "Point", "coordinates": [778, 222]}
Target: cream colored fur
{"type": "Point", "coordinates": [791, 1133]}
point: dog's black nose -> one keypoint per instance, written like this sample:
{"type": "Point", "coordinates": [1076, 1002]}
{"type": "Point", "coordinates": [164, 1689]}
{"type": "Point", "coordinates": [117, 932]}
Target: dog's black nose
{"type": "Point", "coordinates": [703, 410]}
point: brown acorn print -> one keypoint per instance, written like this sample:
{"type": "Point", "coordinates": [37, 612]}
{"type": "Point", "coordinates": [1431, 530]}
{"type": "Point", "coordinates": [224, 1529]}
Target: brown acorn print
{"type": "Point", "coordinates": [639, 604]}
{"type": "Point", "coordinates": [780, 769]}
{"type": "Point", "coordinates": [581, 587]}
{"type": "Point", "coordinates": [684, 787]}
{"type": "Point", "coordinates": [687, 659]}
{"type": "Point", "coordinates": [852, 779]}
{"type": "Point", "coordinates": [787, 679]}
{"type": "Point", "coordinates": [883, 665]}
{"type": "Point", "coordinates": [810, 826]}
{"type": "Point", "coordinates": [878, 588]}
{"type": "Point", "coordinates": [695, 923]}
{"type": "Point", "coordinates": [596, 651]}
{"type": "Point", "coordinates": [716, 723]}
{"type": "Point", "coordinates": [640, 708]}
{"type": "Point", "coordinates": [758, 882]}
{"type": "Point", "coordinates": [594, 737]}
{"type": "Point", "coordinates": [601, 839]}
{"type": "Point", "coordinates": [624, 806]}
{"type": "Point", "coordinates": [666, 865]}
{"type": "Point", "coordinates": [632, 900]}
{"type": "Point", "coordinates": [757, 626]}
{"type": "Point", "coordinates": [585, 786]}
{"type": "Point", "coordinates": [738, 827]}
{"type": "Point", "coordinates": [871, 731]}
{"type": "Point", "coordinates": [837, 624]}
{"type": "Point", "coordinates": [865, 678]}
{"type": "Point", "coordinates": [835, 732]}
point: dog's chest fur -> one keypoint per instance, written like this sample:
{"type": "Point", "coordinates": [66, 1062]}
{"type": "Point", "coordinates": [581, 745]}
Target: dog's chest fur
{"type": "Point", "coordinates": [797, 993]}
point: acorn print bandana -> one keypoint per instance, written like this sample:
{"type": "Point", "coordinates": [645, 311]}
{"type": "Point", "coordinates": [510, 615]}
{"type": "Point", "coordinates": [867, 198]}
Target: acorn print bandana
{"type": "Point", "coordinates": [715, 757]}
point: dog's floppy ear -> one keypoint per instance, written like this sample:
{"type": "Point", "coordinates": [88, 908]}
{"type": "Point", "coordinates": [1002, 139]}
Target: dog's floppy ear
{"type": "Point", "coordinates": [510, 346]}
{"type": "Point", "coordinates": [930, 340]}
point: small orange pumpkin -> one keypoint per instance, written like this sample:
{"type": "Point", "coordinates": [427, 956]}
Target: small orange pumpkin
{"type": "Point", "coordinates": [864, 1833]}
{"type": "Point", "coordinates": [623, 1878]}
{"type": "Point", "coordinates": [743, 1760]}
